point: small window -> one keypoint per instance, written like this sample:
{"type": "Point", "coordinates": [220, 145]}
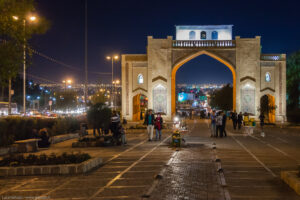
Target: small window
{"type": "Point", "coordinates": [192, 35]}
{"type": "Point", "coordinates": [214, 35]}
{"type": "Point", "coordinates": [140, 79]}
{"type": "Point", "coordinates": [268, 77]}
{"type": "Point", "coordinates": [203, 35]}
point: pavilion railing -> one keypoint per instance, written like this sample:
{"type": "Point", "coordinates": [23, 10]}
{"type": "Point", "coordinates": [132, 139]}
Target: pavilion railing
{"type": "Point", "coordinates": [203, 43]}
{"type": "Point", "coordinates": [272, 57]}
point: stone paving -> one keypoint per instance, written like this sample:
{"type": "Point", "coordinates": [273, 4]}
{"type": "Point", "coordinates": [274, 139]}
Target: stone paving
{"type": "Point", "coordinates": [192, 173]}
{"type": "Point", "coordinates": [251, 167]}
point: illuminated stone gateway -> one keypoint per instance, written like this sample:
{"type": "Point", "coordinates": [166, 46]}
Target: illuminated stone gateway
{"type": "Point", "coordinates": [254, 74]}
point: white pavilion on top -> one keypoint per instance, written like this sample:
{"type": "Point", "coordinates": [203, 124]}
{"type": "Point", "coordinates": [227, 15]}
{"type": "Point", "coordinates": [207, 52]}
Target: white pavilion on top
{"type": "Point", "coordinates": [204, 32]}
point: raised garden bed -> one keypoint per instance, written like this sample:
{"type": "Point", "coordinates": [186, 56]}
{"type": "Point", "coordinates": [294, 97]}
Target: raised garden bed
{"type": "Point", "coordinates": [94, 142]}
{"type": "Point", "coordinates": [46, 165]}
{"type": "Point", "coordinates": [292, 178]}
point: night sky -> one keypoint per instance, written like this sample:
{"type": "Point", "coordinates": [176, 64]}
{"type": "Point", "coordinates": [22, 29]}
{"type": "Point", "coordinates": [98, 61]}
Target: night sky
{"type": "Point", "coordinates": [119, 27]}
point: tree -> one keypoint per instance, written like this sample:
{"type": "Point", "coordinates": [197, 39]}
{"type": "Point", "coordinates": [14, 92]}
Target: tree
{"type": "Point", "coordinates": [293, 80]}
{"type": "Point", "coordinates": [14, 36]}
{"type": "Point", "coordinates": [222, 98]}
{"type": "Point", "coordinates": [66, 100]}
{"type": "Point", "coordinates": [98, 98]}
{"type": "Point", "coordinates": [99, 117]}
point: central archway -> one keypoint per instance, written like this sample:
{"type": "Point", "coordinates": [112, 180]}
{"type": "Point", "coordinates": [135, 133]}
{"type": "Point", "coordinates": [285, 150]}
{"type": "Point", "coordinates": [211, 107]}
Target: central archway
{"type": "Point", "coordinates": [185, 60]}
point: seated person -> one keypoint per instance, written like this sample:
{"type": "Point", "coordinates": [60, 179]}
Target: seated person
{"type": "Point", "coordinates": [44, 136]}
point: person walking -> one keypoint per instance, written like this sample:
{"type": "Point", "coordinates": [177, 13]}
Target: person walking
{"type": "Point", "coordinates": [158, 126]}
{"type": "Point", "coordinates": [234, 119]}
{"type": "Point", "coordinates": [149, 121]}
{"type": "Point", "coordinates": [213, 124]}
{"type": "Point", "coordinates": [224, 125]}
{"type": "Point", "coordinates": [240, 120]}
{"type": "Point", "coordinates": [219, 121]}
{"type": "Point", "coordinates": [262, 120]}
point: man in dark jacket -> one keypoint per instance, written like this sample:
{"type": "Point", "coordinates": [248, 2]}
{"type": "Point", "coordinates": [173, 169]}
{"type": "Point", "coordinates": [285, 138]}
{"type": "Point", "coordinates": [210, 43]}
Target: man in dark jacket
{"type": "Point", "coordinates": [240, 120]}
{"type": "Point", "coordinates": [234, 119]}
{"type": "Point", "coordinates": [149, 121]}
{"type": "Point", "coordinates": [224, 124]}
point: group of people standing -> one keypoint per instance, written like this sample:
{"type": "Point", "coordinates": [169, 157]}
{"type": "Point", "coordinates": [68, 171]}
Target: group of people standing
{"type": "Point", "coordinates": [218, 124]}
{"type": "Point", "coordinates": [153, 123]}
{"type": "Point", "coordinates": [237, 120]}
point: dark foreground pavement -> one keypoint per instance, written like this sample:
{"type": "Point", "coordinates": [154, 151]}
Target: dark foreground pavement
{"type": "Point", "coordinates": [251, 167]}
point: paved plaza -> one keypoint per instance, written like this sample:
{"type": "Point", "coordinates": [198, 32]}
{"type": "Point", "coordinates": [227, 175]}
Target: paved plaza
{"type": "Point", "coordinates": [152, 170]}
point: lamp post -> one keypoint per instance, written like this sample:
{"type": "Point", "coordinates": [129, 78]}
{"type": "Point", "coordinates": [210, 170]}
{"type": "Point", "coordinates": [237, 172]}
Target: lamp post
{"type": "Point", "coordinates": [29, 18]}
{"type": "Point", "coordinates": [116, 82]}
{"type": "Point", "coordinates": [112, 58]}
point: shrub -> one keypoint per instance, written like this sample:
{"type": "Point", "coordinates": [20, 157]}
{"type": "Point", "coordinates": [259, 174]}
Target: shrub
{"type": "Point", "coordinates": [293, 116]}
{"type": "Point", "coordinates": [20, 128]}
{"type": "Point", "coordinates": [43, 159]}
{"type": "Point", "coordinates": [99, 116]}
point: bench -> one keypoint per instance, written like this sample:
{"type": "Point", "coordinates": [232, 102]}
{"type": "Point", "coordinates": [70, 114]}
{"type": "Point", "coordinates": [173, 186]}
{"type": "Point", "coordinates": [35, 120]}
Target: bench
{"type": "Point", "coordinates": [29, 145]}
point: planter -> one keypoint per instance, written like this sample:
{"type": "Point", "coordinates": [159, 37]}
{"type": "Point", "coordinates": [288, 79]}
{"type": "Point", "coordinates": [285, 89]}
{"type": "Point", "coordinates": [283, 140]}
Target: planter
{"type": "Point", "coordinates": [62, 169]}
{"type": "Point", "coordinates": [62, 138]}
{"type": "Point", "coordinates": [292, 179]}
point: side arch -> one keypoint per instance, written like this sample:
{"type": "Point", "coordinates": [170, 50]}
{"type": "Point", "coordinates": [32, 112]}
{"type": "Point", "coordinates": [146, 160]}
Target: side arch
{"type": "Point", "coordinates": [192, 56]}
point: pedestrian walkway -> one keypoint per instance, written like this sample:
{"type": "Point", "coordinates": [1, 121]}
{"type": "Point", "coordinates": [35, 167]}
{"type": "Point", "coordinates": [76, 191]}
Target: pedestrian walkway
{"type": "Point", "coordinates": [192, 173]}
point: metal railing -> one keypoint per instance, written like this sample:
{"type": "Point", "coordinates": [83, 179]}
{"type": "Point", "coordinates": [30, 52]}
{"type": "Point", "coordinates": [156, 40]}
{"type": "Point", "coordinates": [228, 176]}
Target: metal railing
{"type": "Point", "coordinates": [203, 43]}
{"type": "Point", "coordinates": [272, 57]}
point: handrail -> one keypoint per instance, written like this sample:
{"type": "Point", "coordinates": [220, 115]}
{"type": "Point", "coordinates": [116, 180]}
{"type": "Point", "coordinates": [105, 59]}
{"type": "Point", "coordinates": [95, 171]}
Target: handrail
{"type": "Point", "coordinates": [203, 43]}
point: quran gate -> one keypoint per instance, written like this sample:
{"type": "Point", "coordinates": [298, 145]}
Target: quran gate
{"type": "Point", "coordinates": [148, 80]}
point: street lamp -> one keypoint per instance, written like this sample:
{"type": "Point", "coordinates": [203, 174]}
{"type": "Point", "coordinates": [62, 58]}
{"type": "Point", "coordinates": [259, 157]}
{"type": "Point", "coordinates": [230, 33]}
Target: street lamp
{"type": "Point", "coordinates": [30, 19]}
{"type": "Point", "coordinates": [68, 81]}
{"type": "Point", "coordinates": [112, 58]}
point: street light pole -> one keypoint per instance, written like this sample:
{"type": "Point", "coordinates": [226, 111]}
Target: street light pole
{"type": "Point", "coordinates": [116, 57]}
{"type": "Point", "coordinates": [85, 59]}
{"type": "Point", "coordinates": [112, 81]}
{"type": "Point", "coordinates": [24, 68]}
{"type": "Point", "coordinates": [31, 18]}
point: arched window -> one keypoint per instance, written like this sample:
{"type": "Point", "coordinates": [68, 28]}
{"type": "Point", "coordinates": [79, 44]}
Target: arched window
{"type": "Point", "coordinates": [203, 35]}
{"type": "Point", "coordinates": [140, 79]}
{"type": "Point", "coordinates": [214, 35]}
{"type": "Point", "coordinates": [192, 35]}
{"type": "Point", "coordinates": [268, 77]}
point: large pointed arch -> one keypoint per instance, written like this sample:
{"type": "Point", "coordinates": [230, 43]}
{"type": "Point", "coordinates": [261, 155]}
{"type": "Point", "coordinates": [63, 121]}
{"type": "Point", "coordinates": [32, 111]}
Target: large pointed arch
{"type": "Point", "coordinates": [188, 58]}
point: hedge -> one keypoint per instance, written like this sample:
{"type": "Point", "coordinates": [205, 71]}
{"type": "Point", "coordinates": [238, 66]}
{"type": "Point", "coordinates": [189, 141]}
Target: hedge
{"type": "Point", "coordinates": [21, 128]}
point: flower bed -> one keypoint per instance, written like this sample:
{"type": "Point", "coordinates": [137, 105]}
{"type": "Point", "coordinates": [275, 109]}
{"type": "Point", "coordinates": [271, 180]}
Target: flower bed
{"type": "Point", "coordinates": [43, 159]}
{"type": "Point", "coordinates": [94, 142]}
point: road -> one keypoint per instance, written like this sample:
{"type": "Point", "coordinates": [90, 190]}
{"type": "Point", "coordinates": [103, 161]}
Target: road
{"type": "Point", "coordinates": [251, 169]}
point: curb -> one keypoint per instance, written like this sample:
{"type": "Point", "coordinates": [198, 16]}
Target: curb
{"type": "Point", "coordinates": [291, 178]}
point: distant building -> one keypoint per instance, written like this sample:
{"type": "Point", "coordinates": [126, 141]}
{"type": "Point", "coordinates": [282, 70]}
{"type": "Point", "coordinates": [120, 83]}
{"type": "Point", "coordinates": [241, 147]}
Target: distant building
{"type": "Point", "coordinates": [4, 108]}
{"type": "Point", "coordinates": [204, 32]}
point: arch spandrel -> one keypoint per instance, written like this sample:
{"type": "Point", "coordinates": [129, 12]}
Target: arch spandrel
{"type": "Point", "coordinates": [182, 54]}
